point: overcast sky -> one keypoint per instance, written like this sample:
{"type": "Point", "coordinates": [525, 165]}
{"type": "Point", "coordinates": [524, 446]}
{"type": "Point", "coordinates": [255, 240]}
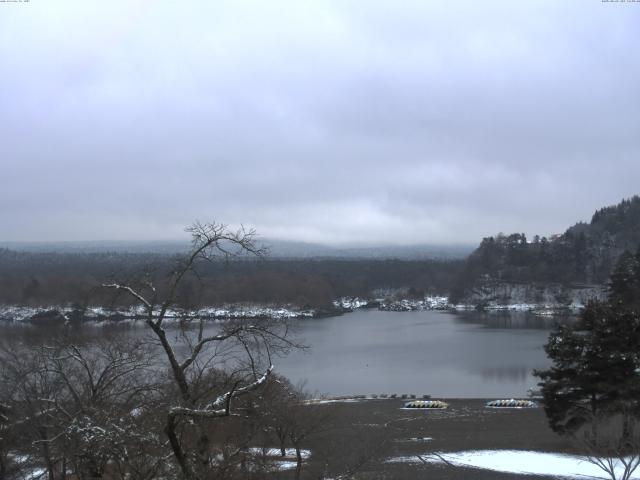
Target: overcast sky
{"type": "Point", "coordinates": [329, 121]}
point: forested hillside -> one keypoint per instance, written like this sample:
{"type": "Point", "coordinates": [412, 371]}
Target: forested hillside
{"type": "Point", "coordinates": [29, 278]}
{"type": "Point", "coordinates": [585, 254]}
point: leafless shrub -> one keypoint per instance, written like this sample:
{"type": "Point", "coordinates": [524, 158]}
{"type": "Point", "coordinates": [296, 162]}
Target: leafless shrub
{"type": "Point", "coordinates": [613, 444]}
{"type": "Point", "coordinates": [71, 402]}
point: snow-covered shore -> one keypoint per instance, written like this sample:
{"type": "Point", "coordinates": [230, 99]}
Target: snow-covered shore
{"type": "Point", "coordinates": [491, 294]}
{"type": "Point", "coordinates": [57, 314]}
{"type": "Point", "coordinates": [520, 462]}
{"type": "Point", "coordinates": [443, 303]}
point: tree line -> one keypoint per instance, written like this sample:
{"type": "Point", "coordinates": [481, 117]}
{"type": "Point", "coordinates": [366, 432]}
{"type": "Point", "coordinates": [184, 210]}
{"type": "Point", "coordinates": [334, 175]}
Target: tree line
{"type": "Point", "coordinates": [38, 279]}
{"type": "Point", "coordinates": [585, 254]}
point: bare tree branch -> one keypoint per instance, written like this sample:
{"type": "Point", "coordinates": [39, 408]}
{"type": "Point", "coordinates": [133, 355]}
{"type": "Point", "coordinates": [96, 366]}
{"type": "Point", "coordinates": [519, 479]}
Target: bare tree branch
{"type": "Point", "coordinates": [212, 410]}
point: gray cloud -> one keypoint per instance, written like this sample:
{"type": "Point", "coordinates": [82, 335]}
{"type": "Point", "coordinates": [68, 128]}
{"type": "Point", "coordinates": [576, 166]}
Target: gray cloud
{"type": "Point", "coordinates": [343, 121]}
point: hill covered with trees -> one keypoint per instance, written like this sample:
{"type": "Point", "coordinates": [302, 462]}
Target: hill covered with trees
{"type": "Point", "coordinates": [54, 278]}
{"type": "Point", "coordinates": [505, 269]}
{"type": "Point", "coordinates": [583, 256]}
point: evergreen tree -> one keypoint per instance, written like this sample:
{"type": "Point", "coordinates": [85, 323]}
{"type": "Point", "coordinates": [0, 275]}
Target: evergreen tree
{"type": "Point", "coordinates": [584, 253]}
{"type": "Point", "coordinates": [624, 286]}
{"type": "Point", "coordinates": [570, 396]}
{"type": "Point", "coordinates": [596, 367]}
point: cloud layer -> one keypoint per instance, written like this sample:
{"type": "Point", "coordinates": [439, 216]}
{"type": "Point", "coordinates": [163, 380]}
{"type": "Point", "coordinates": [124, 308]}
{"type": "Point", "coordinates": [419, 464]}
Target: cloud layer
{"type": "Point", "coordinates": [331, 121]}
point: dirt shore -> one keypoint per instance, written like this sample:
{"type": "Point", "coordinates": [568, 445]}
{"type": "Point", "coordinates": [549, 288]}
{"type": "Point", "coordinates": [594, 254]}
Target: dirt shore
{"type": "Point", "coordinates": [466, 425]}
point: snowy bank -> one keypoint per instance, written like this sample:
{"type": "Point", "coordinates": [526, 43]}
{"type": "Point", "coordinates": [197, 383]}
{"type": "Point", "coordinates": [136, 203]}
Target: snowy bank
{"type": "Point", "coordinates": [55, 314]}
{"type": "Point", "coordinates": [517, 462]}
{"type": "Point", "coordinates": [443, 303]}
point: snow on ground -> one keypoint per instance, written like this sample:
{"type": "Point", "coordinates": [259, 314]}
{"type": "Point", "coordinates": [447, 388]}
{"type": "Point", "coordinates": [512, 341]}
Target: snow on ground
{"type": "Point", "coordinates": [317, 401]}
{"type": "Point", "coordinates": [408, 305]}
{"type": "Point", "coordinates": [288, 462]}
{"type": "Point", "coordinates": [275, 452]}
{"type": "Point", "coordinates": [254, 311]}
{"type": "Point", "coordinates": [27, 472]}
{"type": "Point", "coordinates": [519, 462]}
{"type": "Point", "coordinates": [18, 313]}
{"type": "Point", "coordinates": [286, 465]}
{"type": "Point", "coordinates": [136, 412]}
{"type": "Point", "coordinates": [388, 303]}
{"type": "Point", "coordinates": [350, 303]}
{"type": "Point", "coordinates": [536, 308]}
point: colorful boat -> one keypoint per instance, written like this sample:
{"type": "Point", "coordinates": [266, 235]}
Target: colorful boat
{"type": "Point", "coordinates": [432, 404]}
{"type": "Point", "coordinates": [511, 403]}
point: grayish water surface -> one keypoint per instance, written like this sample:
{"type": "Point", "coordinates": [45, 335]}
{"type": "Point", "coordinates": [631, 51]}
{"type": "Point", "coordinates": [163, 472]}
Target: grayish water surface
{"type": "Point", "coordinates": [443, 354]}
{"type": "Point", "coordinates": [427, 352]}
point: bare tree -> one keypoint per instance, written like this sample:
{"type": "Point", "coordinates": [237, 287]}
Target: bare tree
{"type": "Point", "coordinates": [25, 384]}
{"type": "Point", "coordinates": [5, 412]}
{"type": "Point", "coordinates": [291, 419]}
{"type": "Point", "coordinates": [196, 356]}
{"type": "Point", "coordinates": [71, 402]}
{"type": "Point", "coordinates": [297, 422]}
{"type": "Point", "coordinates": [103, 382]}
{"type": "Point", "coordinates": [613, 444]}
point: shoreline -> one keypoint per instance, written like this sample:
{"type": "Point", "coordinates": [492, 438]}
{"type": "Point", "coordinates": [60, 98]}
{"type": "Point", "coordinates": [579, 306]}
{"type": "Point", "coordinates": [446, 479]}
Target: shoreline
{"type": "Point", "coordinates": [410, 397]}
{"type": "Point", "coordinates": [55, 314]}
{"type": "Point", "coordinates": [466, 425]}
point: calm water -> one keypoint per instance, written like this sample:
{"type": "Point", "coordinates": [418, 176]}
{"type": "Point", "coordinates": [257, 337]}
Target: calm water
{"type": "Point", "coordinates": [439, 353]}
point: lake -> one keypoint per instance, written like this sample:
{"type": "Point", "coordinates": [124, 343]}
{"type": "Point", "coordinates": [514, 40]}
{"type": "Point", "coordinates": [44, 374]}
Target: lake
{"type": "Point", "coordinates": [444, 354]}
{"type": "Point", "coordinates": [440, 353]}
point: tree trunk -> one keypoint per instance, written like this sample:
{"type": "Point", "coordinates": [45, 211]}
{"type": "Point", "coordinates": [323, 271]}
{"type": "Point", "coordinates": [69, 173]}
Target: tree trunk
{"type": "Point", "coordinates": [45, 453]}
{"type": "Point", "coordinates": [298, 462]}
{"type": "Point", "coordinates": [178, 374]}
{"type": "Point", "coordinates": [203, 449]}
{"type": "Point", "coordinates": [626, 433]}
{"type": "Point", "coordinates": [170, 431]}
{"type": "Point", "coordinates": [282, 437]}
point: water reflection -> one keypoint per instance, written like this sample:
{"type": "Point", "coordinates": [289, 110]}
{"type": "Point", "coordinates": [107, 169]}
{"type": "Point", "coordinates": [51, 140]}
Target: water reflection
{"type": "Point", "coordinates": [450, 355]}
{"type": "Point", "coordinates": [29, 335]}
{"type": "Point", "coordinates": [513, 319]}
{"type": "Point", "coordinates": [468, 354]}
{"type": "Point", "coordinates": [507, 374]}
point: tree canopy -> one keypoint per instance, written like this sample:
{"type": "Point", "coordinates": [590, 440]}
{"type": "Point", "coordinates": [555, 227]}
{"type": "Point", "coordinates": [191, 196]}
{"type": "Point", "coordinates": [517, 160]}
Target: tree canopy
{"type": "Point", "coordinates": [596, 361]}
{"type": "Point", "coordinates": [584, 253]}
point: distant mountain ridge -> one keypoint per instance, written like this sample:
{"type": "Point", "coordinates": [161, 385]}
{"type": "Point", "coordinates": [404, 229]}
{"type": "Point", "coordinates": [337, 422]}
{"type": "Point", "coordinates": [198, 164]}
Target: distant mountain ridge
{"type": "Point", "coordinates": [277, 249]}
{"type": "Point", "coordinates": [288, 249]}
